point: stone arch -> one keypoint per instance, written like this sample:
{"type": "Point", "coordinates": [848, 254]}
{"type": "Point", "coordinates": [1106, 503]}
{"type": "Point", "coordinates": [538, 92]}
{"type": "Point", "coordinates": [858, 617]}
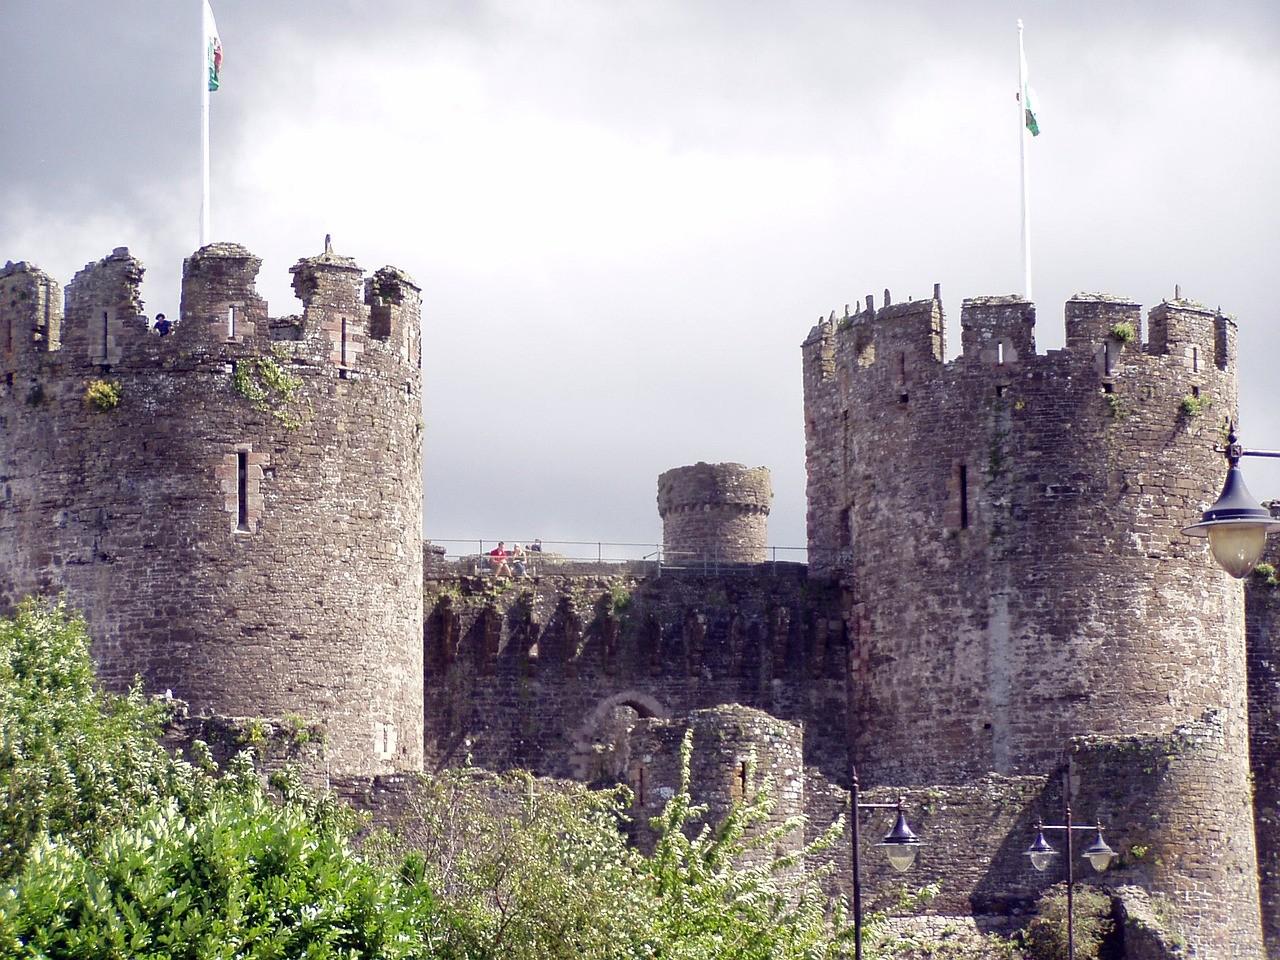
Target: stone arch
{"type": "Point", "coordinates": [601, 748]}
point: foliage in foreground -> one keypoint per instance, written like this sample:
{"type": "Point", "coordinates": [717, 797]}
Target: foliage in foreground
{"type": "Point", "coordinates": [111, 848]}
{"type": "Point", "coordinates": [1046, 936]}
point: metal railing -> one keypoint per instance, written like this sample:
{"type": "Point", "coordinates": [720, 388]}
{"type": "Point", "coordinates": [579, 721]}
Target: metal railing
{"type": "Point", "coordinates": [472, 555]}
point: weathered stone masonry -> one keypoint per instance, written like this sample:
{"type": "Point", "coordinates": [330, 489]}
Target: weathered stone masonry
{"type": "Point", "coordinates": [244, 527]}
{"type": "Point", "coordinates": [1007, 530]}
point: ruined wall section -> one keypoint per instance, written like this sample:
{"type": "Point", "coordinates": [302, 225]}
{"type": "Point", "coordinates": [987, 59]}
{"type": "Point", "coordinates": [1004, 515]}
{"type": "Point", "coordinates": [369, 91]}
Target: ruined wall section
{"type": "Point", "coordinates": [715, 512]}
{"type": "Point", "coordinates": [243, 526]}
{"type": "Point", "coordinates": [551, 674]}
{"type": "Point", "coordinates": [736, 752]}
{"type": "Point", "coordinates": [1262, 604]}
{"type": "Point", "coordinates": [1015, 568]}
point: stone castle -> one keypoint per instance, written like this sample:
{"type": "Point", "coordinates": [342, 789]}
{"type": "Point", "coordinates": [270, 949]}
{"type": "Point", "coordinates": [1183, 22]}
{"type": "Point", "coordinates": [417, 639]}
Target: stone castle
{"type": "Point", "coordinates": [999, 611]}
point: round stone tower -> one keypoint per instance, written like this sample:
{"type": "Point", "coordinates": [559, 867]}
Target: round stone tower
{"type": "Point", "coordinates": [714, 512]}
{"type": "Point", "coordinates": [1007, 528]}
{"type": "Point", "coordinates": [236, 506]}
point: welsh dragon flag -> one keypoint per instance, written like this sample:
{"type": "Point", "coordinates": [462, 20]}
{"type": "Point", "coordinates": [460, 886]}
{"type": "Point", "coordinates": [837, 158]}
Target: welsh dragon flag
{"type": "Point", "coordinates": [213, 48]}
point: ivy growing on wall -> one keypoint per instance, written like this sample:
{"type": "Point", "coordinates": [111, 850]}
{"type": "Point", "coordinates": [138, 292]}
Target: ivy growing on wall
{"type": "Point", "coordinates": [269, 388]}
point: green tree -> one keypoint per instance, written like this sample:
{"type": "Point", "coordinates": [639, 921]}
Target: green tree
{"type": "Point", "coordinates": [74, 763]}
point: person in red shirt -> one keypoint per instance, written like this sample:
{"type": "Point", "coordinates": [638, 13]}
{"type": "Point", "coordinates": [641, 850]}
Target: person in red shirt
{"type": "Point", "coordinates": [498, 561]}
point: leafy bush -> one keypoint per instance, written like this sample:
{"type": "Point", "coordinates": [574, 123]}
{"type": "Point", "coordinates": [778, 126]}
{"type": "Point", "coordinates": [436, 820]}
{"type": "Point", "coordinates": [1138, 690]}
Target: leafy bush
{"type": "Point", "coordinates": [102, 394]}
{"type": "Point", "coordinates": [111, 848]}
{"type": "Point", "coordinates": [74, 763]}
{"type": "Point", "coordinates": [1192, 406]}
{"type": "Point", "coordinates": [1123, 332]}
{"type": "Point", "coordinates": [1046, 936]}
{"type": "Point", "coordinates": [245, 878]}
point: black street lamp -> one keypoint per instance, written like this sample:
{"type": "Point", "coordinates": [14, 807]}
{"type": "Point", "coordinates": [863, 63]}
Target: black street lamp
{"type": "Point", "coordinates": [1236, 525]}
{"type": "Point", "coordinates": [899, 844]}
{"type": "Point", "coordinates": [1041, 855]}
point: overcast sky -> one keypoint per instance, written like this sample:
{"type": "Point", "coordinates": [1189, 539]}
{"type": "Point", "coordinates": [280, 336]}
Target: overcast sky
{"type": "Point", "coordinates": [625, 217]}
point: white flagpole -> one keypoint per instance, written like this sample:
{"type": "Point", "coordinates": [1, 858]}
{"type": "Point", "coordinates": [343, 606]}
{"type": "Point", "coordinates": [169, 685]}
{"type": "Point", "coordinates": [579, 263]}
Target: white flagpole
{"type": "Point", "coordinates": [204, 122]}
{"type": "Point", "coordinates": [1022, 149]}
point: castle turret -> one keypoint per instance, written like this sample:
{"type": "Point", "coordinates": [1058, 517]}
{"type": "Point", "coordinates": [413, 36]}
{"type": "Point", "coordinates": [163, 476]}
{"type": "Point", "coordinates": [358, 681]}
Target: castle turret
{"type": "Point", "coordinates": [714, 512]}
{"type": "Point", "coordinates": [1007, 528]}
{"type": "Point", "coordinates": [236, 507]}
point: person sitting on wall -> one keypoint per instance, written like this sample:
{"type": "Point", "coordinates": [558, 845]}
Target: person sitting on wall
{"type": "Point", "coordinates": [498, 561]}
{"type": "Point", "coordinates": [163, 326]}
{"type": "Point", "coordinates": [536, 546]}
{"type": "Point", "coordinates": [518, 559]}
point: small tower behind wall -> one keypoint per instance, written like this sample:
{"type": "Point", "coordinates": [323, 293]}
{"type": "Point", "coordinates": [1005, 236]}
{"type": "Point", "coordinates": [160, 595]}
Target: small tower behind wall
{"type": "Point", "coordinates": [714, 512]}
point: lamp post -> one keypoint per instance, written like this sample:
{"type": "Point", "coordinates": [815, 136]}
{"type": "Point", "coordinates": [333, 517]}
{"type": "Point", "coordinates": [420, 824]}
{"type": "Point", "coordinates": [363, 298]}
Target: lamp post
{"type": "Point", "coordinates": [899, 844]}
{"type": "Point", "coordinates": [1236, 525]}
{"type": "Point", "coordinates": [1041, 855]}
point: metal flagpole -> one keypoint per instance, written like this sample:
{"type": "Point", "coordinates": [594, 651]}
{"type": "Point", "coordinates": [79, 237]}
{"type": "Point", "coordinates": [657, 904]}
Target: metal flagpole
{"type": "Point", "coordinates": [204, 122]}
{"type": "Point", "coordinates": [1022, 149]}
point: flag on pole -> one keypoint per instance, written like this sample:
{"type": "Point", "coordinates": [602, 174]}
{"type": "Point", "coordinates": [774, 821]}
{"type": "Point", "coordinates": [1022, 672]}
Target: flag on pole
{"type": "Point", "coordinates": [1030, 102]}
{"type": "Point", "coordinates": [213, 48]}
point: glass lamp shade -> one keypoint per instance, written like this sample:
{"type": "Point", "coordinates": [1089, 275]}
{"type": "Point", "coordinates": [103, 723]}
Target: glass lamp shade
{"type": "Point", "coordinates": [900, 845]}
{"type": "Point", "coordinates": [1237, 527]}
{"type": "Point", "coordinates": [1099, 854]}
{"type": "Point", "coordinates": [1040, 853]}
{"type": "Point", "coordinates": [1238, 546]}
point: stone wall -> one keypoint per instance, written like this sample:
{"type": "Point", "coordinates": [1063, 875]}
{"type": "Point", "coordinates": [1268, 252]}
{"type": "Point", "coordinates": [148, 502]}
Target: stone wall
{"type": "Point", "coordinates": [714, 512]}
{"type": "Point", "coordinates": [1262, 593]}
{"type": "Point", "coordinates": [1007, 528]}
{"type": "Point", "coordinates": [736, 751]}
{"type": "Point", "coordinates": [545, 673]}
{"type": "Point", "coordinates": [243, 527]}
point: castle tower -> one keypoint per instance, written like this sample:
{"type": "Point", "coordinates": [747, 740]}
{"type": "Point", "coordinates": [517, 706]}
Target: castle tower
{"type": "Point", "coordinates": [1007, 530]}
{"type": "Point", "coordinates": [714, 512]}
{"type": "Point", "coordinates": [236, 507]}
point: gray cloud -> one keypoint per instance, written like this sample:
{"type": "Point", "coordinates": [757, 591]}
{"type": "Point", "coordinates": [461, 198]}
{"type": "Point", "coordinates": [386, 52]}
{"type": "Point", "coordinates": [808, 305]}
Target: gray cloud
{"type": "Point", "coordinates": [625, 217]}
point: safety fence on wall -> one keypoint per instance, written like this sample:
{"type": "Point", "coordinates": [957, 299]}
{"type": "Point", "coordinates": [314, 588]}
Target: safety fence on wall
{"type": "Point", "coordinates": [475, 557]}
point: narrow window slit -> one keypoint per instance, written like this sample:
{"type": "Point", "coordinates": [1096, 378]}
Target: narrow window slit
{"type": "Point", "coordinates": [964, 497]}
{"type": "Point", "coordinates": [343, 345]}
{"type": "Point", "coordinates": [742, 778]}
{"type": "Point", "coordinates": [1001, 389]}
{"type": "Point", "coordinates": [242, 490]}
{"type": "Point", "coordinates": [231, 323]}
{"type": "Point", "coordinates": [640, 786]}
{"type": "Point", "coordinates": [1195, 359]}
{"type": "Point", "coordinates": [106, 323]}
{"type": "Point", "coordinates": [1000, 353]}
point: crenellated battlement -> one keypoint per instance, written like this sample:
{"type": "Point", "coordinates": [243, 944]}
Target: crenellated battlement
{"type": "Point", "coordinates": [998, 333]}
{"type": "Point", "coordinates": [351, 327]}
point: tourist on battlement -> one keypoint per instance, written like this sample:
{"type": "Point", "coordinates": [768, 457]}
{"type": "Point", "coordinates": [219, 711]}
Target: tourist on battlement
{"type": "Point", "coordinates": [163, 326]}
{"type": "Point", "coordinates": [498, 561]}
{"type": "Point", "coordinates": [518, 559]}
{"type": "Point", "coordinates": [536, 546]}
